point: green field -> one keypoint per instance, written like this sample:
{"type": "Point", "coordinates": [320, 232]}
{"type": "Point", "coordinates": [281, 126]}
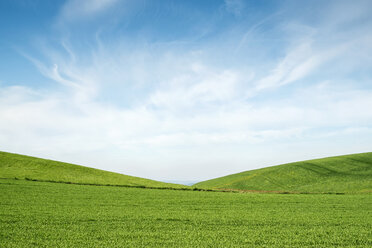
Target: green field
{"type": "Point", "coordinates": [31, 168]}
{"type": "Point", "coordinates": [341, 174]}
{"type": "Point", "coordinates": [45, 203]}
{"type": "Point", "coordinates": [41, 214]}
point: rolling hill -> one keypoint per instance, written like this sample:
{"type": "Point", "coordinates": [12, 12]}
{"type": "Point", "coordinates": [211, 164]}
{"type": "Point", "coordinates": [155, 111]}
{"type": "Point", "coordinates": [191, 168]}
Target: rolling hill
{"type": "Point", "coordinates": [341, 174]}
{"type": "Point", "coordinates": [15, 166]}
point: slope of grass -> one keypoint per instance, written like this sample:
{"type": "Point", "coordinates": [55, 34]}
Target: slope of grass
{"type": "Point", "coordinates": [31, 168]}
{"type": "Point", "coordinates": [41, 214]}
{"type": "Point", "coordinates": [348, 173]}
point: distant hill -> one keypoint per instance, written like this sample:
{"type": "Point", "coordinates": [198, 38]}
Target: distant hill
{"type": "Point", "coordinates": [347, 174]}
{"type": "Point", "coordinates": [24, 167]}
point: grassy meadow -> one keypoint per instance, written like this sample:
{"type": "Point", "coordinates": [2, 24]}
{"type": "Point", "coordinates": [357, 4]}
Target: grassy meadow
{"type": "Point", "coordinates": [341, 174]}
{"type": "Point", "coordinates": [38, 169]}
{"type": "Point", "coordinates": [45, 203]}
{"type": "Point", "coordinates": [43, 214]}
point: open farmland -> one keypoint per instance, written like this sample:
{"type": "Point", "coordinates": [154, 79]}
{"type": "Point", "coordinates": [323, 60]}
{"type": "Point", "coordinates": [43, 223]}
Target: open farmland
{"type": "Point", "coordinates": [42, 214]}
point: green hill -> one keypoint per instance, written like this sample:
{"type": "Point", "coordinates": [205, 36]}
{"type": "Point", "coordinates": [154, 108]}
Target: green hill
{"type": "Point", "coordinates": [348, 174]}
{"type": "Point", "coordinates": [16, 166]}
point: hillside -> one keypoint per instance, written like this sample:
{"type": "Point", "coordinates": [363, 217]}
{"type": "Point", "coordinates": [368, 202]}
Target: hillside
{"type": "Point", "coordinates": [348, 173]}
{"type": "Point", "coordinates": [31, 168]}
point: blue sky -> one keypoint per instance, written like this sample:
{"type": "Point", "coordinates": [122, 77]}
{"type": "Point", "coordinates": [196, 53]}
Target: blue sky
{"type": "Point", "coordinates": [185, 90]}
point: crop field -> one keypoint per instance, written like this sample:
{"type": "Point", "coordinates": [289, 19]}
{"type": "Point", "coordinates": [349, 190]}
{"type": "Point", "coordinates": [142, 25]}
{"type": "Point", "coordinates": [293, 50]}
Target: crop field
{"type": "Point", "coordinates": [43, 214]}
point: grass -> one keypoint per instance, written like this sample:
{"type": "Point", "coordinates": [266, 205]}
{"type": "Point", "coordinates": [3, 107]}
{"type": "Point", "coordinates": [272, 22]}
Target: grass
{"type": "Point", "coordinates": [342, 174]}
{"type": "Point", "coordinates": [41, 214]}
{"type": "Point", "coordinates": [37, 169]}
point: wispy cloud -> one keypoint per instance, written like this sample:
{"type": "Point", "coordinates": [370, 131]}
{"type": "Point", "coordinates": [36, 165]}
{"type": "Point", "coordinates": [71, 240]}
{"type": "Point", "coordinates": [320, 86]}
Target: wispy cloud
{"type": "Point", "coordinates": [298, 63]}
{"type": "Point", "coordinates": [80, 9]}
{"type": "Point", "coordinates": [234, 6]}
{"type": "Point", "coordinates": [152, 109]}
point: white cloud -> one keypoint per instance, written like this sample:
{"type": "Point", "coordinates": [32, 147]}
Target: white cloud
{"type": "Point", "coordinates": [298, 63]}
{"type": "Point", "coordinates": [53, 125]}
{"type": "Point", "coordinates": [80, 9]}
{"type": "Point", "coordinates": [154, 110]}
{"type": "Point", "coordinates": [234, 6]}
{"type": "Point", "coordinates": [198, 87]}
